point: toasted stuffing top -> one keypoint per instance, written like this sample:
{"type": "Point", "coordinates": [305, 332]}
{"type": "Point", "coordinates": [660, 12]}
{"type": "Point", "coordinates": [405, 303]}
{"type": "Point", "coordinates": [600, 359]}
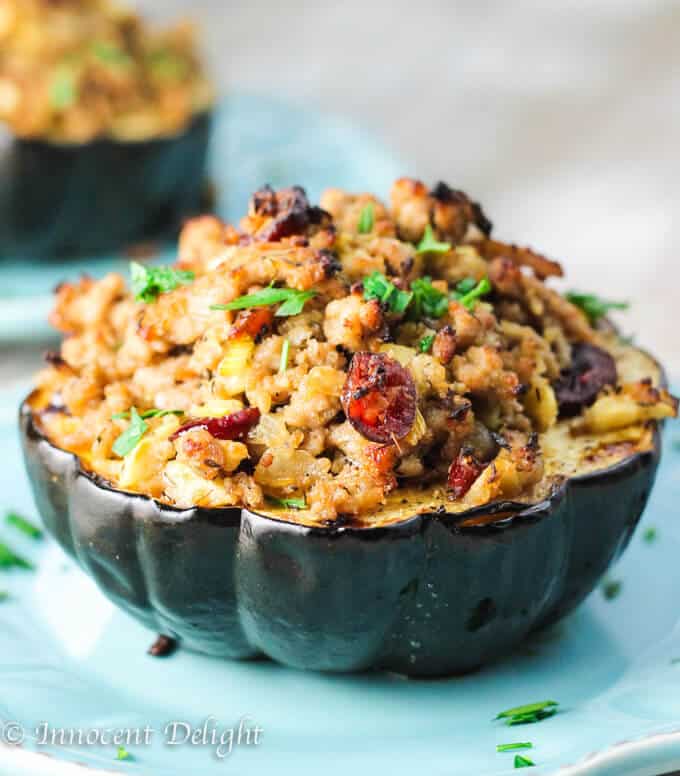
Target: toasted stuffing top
{"type": "Point", "coordinates": [75, 70]}
{"type": "Point", "coordinates": [323, 358]}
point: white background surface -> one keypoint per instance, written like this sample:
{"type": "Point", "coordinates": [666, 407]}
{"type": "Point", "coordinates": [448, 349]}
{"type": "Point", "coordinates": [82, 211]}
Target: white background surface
{"type": "Point", "coordinates": [562, 118]}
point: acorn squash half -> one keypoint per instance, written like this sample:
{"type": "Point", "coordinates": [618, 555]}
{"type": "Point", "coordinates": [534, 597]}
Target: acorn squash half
{"type": "Point", "coordinates": [420, 590]}
{"type": "Point", "coordinates": [60, 200]}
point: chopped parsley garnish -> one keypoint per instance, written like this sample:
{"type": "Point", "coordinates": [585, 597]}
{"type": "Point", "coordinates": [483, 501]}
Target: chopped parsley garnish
{"type": "Point", "coordinates": [23, 525]}
{"type": "Point", "coordinates": [148, 282]}
{"type": "Point", "coordinates": [426, 343]}
{"type": "Point", "coordinates": [513, 747]}
{"type": "Point", "coordinates": [123, 754]}
{"type": "Point", "coordinates": [166, 64]}
{"type": "Point", "coordinates": [377, 286]}
{"type": "Point", "coordinates": [283, 364]}
{"type": "Point", "coordinates": [63, 89]}
{"type": "Point", "coordinates": [428, 301]}
{"type": "Point", "coordinates": [110, 54]}
{"type": "Point", "coordinates": [146, 414]}
{"type": "Point", "coordinates": [594, 306]}
{"type": "Point", "coordinates": [366, 219]}
{"type": "Point", "coordinates": [530, 712]}
{"type": "Point", "coordinates": [429, 243]}
{"type": "Point", "coordinates": [611, 589]}
{"type": "Point", "coordinates": [650, 534]}
{"type": "Point", "coordinates": [9, 559]}
{"type": "Point", "coordinates": [523, 762]}
{"type": "Point", "coordinates": [468, 296]}
{"type": "Point", "coordinates": [132, 435]}
{"type": "Point", "coordinates": [293, 300]}
{"type": "Point", "coordinates": [465, 286]}
{"type": "Point", "coordinates": [289, 503]}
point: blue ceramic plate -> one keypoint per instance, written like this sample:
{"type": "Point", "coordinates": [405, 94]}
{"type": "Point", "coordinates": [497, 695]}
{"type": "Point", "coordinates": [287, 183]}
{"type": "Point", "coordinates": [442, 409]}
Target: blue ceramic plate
{"type": "Point", "coordinates": [256, 140]}
{"type": "Point", "coordinates": [70, 660]}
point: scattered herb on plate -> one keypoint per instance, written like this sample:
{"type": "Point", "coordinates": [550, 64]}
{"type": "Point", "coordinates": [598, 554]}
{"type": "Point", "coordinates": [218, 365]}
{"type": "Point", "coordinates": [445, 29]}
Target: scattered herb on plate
{"type": "Point", "coordinates": [366, 219]}
{"type": "Point", "coordinates": [594, 306]}
{"type": "Point", "coordinates": [523, 762]}
{"type": "Point", "coordinates": [132, 435]}
{"type": "Point", "coordinates": [650, 535]}
{"type": "Point", "coordinates": [430, 244]}
{"type": "Point", "coordinates": [148, 283]}
{"type": "Point", "coordinates": [426, 343]}
{"type": "Point", "coordinates": [514, 747]}
{"type": "Point", "coordinates": [377, 286]}
{"type": "Point", "coordinates": [23, 525]}
{"type": "Point", "coordinates": [428, 301]}
{"type": "Point", "coordinates": [9, 559]}
{"type": "Point", "coordinates": [292, 299]}
{"type": "Point", "coordinates": [611, 588]}
{"type": "Point", "coordinates": [530, 712]}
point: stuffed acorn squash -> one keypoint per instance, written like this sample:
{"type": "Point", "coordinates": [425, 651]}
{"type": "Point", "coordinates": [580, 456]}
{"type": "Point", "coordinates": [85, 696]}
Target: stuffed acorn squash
{"type": "Point", "coordinates": [345, 436]}
{"type": "Point", "coordinates": [107, 128]}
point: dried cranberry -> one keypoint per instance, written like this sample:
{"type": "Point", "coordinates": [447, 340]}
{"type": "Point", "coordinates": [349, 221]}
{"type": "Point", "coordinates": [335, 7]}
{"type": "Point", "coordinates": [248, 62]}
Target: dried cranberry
{"type": "Point", "coordinates": [379, 397]}
{"type": "Point", "coordinates": [234, 426]}
{"type": "Point", "coordinates": [591, 369]}
{"type": "Point", "coordinates": [463, 471]}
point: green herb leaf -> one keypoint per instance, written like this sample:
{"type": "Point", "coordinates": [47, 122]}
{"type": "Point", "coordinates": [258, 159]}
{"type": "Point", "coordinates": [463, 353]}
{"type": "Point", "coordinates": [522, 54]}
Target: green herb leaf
{"type": "Point", "coordinates": [426, 343]}
{"type": "Point", "coordinates": [9, 559]}
{"type": "Point", "coordinates": [611, 589]}
{"type": "Point", "coordinates": [530, 712]}
{"type": "Point", "coordinates": [110, 54]}
{"type": "Point", "coordinates": [283, 364]}
{"type": "Point", "coordinates": [23, 525]}
{"type": "Point", "coordinates": [594, 306]}
{"type": "Point", "coordinates": [123, 754]}
{"type": "Point", "coordinates": [377, 286]}
{"type": "Point", "coordinates": [146, 414]}
{"type": "Point", "coordinates": [428, 301]}
{"type": "Point", "coordinates": [429, 243]}
{"type": "Point", "coordinates": [148, 282]}
{"type": "Point", "coordinates": [63, 88]}
{"type": "Point", "coordinates": [293, 300]}
{"type": "Point", "coordinates": [167, 64]}
{"type": "Point", "coordinates": [289, 503]}
{"type": "Point", "coordinates": [513, 747]}
{"type": "Point", "coordinates": [132, 435]}
{"type": "Point", "coordinates": [466, 285]}
{"type": "Point", "coordinates": [366, 219]}
{"type": "Point", "coordinates": [650, 535]}
{"type": "Point", "coordinates": [523, 762]}
{"type": "Point", "coordinates": [469, 298]}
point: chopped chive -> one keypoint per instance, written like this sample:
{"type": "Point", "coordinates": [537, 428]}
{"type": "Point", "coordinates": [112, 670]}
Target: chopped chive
{"type": "Point", "coordinates": [366, 219]}
{"type": "Point", "coordinates": [132, 435]}
{"type": "Point", "coordinates": [9, 559]}
{"type": "Point", "coordinates": [611, 589]}
{"type": "Point", "coordinates": [283, 364]}
{"type": "Point", "coordinates": [523, 762]}
{"type": "Point", "coordinates": [530, 712]}
{"type": "Point", "coordinates": [293, 300]}
{"type": "Point", "coordinates": [23, 525]}
{"type": "Point", "coordinates": [650, 534]}
{"type": "Point", "coordinates": [593, 306]}
{"type": "Point", "coordinates": [513, 747]}
{"type": "Point", "coordinates": [289, 503]}
{"type": "Point", "coordinates": [430, 244]}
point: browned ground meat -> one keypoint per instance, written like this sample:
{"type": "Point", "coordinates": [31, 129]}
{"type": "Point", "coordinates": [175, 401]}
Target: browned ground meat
{"type": "Point", "coordinates": [381, 347]}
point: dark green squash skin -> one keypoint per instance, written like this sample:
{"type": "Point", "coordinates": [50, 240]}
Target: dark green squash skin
{"type": "Point", "coordinates": [422, 597]}
{"type": "Point", "coordinates": [66, 200]}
